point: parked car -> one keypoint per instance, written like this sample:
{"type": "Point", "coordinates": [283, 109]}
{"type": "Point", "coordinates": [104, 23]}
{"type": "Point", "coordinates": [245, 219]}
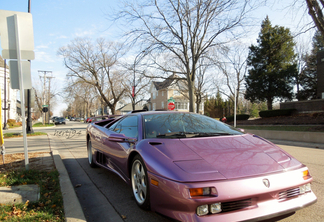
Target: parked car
{"type": "Point", "coordinates": [99, 118]}
{"type": "Point", "coordinates": [190, 167]}
{"type": "Point", "coordinates": [59, 120]}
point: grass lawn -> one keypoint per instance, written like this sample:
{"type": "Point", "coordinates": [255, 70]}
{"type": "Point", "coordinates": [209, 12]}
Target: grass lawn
{"type": "Point", "coordinates": [8, 135]}
{"type": "Point", "coordinates": [41, 125]}
{"type": "Point", "coordinates": [285, 128]}
{"type": "Point", "coordinates": [48, 208]}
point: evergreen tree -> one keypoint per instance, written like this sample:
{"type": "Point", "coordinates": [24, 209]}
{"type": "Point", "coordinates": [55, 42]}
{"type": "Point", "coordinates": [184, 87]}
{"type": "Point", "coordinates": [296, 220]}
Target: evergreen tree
{"type": "Point", "coordinates": [308, 75]}
{"type": "Point", "coordinates": [272, 65]}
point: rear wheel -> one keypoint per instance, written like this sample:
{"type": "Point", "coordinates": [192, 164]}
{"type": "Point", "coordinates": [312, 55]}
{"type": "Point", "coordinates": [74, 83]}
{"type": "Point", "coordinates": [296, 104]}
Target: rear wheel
{"type": "Point", "coordinates": [90, 154]}
{"type": "Point", "coordinates": [140, 184]}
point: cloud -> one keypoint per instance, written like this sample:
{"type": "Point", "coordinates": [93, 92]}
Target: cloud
{"type": "Point", "coordinates": [84, 33]}
{"type": "Point", "coordinates": [42, 56]}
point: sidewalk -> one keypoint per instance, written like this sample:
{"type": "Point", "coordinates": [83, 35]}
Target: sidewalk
{"type": "Point", "coordinates": [52, 159]}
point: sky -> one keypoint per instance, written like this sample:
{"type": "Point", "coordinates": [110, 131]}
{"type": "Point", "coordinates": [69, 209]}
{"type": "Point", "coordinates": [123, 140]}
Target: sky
{"type": "Point", "coordinates": [57, 23]}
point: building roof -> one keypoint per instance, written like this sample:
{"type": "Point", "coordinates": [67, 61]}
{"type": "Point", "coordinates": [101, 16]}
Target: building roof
{"type": "Point", "coordinates": [128, 107]}
{"type": "Point", "coordinates": [166, 83]}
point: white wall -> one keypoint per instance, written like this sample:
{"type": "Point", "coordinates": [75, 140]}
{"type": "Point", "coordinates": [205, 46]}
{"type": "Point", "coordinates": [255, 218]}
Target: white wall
{"type": "Point", "coordinates": [11, 96]}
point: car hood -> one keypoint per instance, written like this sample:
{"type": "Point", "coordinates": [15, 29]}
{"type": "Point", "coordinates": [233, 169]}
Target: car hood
{"type": "Point", "coordinates": [225, 157]}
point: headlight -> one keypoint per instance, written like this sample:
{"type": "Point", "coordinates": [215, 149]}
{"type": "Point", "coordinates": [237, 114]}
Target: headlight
{"type": "Point", "coordinates": [215, 208]}
{"type": "Point", "coordinates": [206, 209]}
{"type": "Point", "coordinates": [305, 188]}
{"type": "Point", "coordinates": [202, 210]}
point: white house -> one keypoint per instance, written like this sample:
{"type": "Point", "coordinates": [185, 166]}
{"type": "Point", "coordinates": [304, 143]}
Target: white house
{"type": "Point", "coordinates": [11, 94]}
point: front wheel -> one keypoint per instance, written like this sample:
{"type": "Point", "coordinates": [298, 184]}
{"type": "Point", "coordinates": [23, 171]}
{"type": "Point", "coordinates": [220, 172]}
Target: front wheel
{"type": "Point", "coordinates": [90, 155]}
{"type": "Point", "coordinates": [140, 184]}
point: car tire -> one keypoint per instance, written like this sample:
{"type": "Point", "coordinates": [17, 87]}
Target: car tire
{"type": "Point", "coordinates": [140, 185]}
{"type": "Point", "coordinates": [91, 155]}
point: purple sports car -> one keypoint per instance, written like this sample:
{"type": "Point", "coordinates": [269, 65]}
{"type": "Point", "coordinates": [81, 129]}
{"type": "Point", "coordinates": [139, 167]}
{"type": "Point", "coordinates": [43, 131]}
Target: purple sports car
{"type": "Point", "coordinates": [190, 167]}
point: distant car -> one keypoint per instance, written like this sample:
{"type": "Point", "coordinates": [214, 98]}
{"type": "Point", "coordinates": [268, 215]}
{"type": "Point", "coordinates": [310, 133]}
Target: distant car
{"type": "Point", "coordinates": [99, 118]}
{"type": "Point", "coordinates": [59, 120]}
{"type": "Point", "coordinates": [72, 119]}
{"type": "Point", "coordinates": [190, 167]}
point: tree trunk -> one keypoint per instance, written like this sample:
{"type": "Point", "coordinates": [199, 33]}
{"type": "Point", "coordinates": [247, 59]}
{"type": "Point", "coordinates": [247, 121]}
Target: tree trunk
{"type": "Point", "coordinates": [269, 104]}
{"type": "Point", "coordinates": [191, 89]}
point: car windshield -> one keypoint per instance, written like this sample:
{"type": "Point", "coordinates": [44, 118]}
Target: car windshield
{"type": "Point", "coordinates": [184, 125]}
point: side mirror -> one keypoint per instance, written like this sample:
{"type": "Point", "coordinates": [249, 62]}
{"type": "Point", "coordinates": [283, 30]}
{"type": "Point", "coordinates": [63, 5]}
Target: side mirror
{"type": "Point", "coordinates": [121, 138]}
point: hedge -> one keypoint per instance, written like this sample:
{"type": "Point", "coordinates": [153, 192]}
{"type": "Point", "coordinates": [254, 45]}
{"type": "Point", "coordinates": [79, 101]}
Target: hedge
{"type": "Point", "coordinates": [11, 122]}
{"type": "Point", "coordinates": [238, 117]}
{"type": "Point", "coordinates": [276, 112]}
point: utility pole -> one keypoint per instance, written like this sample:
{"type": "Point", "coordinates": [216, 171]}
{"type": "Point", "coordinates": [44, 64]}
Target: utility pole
{"type": "Point", "coordinates": [44, 89]}
{"type": "Point", "coordinates": [49, 97]}
{"type": "Point", "coordinates": [29, 128]}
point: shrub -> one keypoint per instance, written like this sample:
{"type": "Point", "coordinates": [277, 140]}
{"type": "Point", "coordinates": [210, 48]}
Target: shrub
{"type": "Point", "coordinates": [11, 122]}
{"type": "Point", "coordinates": [277, 112]}
{"type": "Point", "coordinates": [238, 117]}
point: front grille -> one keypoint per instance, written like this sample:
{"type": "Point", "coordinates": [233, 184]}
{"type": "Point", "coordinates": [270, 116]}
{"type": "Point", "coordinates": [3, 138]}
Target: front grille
{"type": "Point", "coordinates": [236, 205]}
{"type": "Point", "coordinates": [289, 193]}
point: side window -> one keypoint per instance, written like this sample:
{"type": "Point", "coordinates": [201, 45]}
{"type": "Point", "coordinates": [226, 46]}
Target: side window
{"type": "Point", "coordinates": [127, 126]}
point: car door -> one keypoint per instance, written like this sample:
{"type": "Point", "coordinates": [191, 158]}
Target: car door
{"type": "Point", "coordinates": [118, 151]}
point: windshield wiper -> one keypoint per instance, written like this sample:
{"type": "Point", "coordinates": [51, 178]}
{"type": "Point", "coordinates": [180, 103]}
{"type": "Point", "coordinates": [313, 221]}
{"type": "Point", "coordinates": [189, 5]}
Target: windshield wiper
{"type": "Point", "coordinates": [202, 134]}
{"type": "Point", "coordinates": [174, 134]}
{"type": "Point", "coordinates": [191, 134]}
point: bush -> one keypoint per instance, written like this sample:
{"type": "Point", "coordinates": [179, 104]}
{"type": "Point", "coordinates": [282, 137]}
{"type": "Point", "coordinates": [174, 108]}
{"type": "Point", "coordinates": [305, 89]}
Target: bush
{"type": "Point", "coordinates": [238, 117]}
{"type": "Point", "coordinates": [11, 122]}
{"type": "Point", "coordinates": [277, 112]}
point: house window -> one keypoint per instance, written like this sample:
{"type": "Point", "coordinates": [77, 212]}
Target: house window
{"type": "Point", "coordinates": [181, 105]}
{"type": "Point", "coordinates": [154, 106]}
{"type": "Point", "coordinates": [162, 93]}
{"type": "Point", "coordinates": [176, 93]}
{"type": "Point", "coordinates": [162, 105]}
{"type": "Point", "coordinates": [154, 95]}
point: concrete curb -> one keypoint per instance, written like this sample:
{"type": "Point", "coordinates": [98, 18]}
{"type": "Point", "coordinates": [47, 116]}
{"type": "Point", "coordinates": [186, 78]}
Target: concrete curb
{"type": "Point", "coordinates": [72, 207]}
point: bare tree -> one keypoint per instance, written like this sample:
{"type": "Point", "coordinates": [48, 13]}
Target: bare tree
{"type": "Point", "coordinates": [184, 29]}
{"type": "Point", "coordinates": [137, 79]}
{"type": "Point", "coordinates": [232, 64]}
{"type": "Point", "coordinates": [97, 65]}
{"type": "Point", "coordinates": [315, 8]}
{"type": "Point", "coordinates": [79, 90]}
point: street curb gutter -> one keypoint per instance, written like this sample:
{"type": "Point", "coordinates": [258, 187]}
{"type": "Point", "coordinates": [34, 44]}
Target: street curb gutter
{"type": "Point", "coordinates": [72, 207]}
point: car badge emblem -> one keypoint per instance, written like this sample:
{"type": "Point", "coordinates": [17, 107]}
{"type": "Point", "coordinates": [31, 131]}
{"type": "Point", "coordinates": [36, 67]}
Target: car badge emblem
{"type": "Point", "coordinates": [266, 182]}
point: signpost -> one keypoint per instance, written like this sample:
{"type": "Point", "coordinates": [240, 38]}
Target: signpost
{"type": "Point", "coordinates": [171, 105]}
{"type": "Point", "coordinates": [45, 108]}
{"type": "Point", "coordinates": [17, 43]}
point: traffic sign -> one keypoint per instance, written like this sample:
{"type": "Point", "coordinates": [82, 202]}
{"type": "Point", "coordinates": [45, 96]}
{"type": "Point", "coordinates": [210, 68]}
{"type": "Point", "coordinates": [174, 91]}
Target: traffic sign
{"type": "Point", "coordinates": [45, 109]}
{"type": "Point", "coordinates": [44, 105]}
{"type": "Point", "coordinates": [171, 100]}
{"type": "Point", "coordinates": [171, 106]}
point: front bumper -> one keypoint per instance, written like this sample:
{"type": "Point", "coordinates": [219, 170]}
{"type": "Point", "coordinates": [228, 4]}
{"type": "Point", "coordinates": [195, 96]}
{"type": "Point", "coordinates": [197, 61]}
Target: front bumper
{"type": "Point", "coordinates": [172, 198]}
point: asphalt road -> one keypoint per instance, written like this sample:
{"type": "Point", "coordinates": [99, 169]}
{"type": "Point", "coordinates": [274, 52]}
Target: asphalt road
{"type": "Point", "coordinates": [106, 197]}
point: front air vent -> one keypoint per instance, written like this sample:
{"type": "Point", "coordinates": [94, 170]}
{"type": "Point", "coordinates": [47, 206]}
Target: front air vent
{"type": "Point", "coordinates": [289, 193]}
{"type": "Point", "coordinates": [155, 143]}
{"type": "Point", "coordinates": [236, 205]}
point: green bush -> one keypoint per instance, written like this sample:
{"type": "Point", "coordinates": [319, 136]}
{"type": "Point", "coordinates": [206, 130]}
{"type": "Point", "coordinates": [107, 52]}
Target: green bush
{"type": "Point", "coordinates": [276, 112]}
{"type": "Point", "coordinates": [238, 117]}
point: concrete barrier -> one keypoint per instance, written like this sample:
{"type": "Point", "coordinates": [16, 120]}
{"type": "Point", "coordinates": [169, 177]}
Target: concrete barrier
{"type": "Point", "coordinates": [307, 137]}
